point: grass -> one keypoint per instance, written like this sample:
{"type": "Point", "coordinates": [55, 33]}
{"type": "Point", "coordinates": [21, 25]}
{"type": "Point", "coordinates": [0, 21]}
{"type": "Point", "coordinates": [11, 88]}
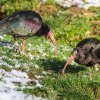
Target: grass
{"type": "Point", "coordinates": [69, 28]}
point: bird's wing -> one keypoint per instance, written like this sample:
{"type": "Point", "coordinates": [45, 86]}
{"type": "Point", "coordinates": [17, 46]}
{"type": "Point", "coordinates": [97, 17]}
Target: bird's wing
{"type": "Point", "coordinates": [22, 25]}
{"type": "Point", "coordinates": [96, 51]}
{"type": "Point", "coordinates": [88, 41]}
{"type": "Point", "coordinates": [25, 27]}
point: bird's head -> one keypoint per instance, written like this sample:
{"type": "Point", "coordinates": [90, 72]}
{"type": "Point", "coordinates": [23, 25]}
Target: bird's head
{"type": "Point", "coordinates": [78, 54]}
{"type": "Point", "coordinates": [45, 30]}
{"type": "Point", "coordinates": [74, 55]}
{"type": "Point", "coordinates": [81, 53]}
{"type": "Point", "coordinates": [71, 58]}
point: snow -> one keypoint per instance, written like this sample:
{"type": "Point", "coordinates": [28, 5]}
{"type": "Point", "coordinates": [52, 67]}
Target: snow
{"type": "Point", "coordinates": [30, 56]}
{"type": "Point", "coordinates": [1, 37]}
{"type": "Point", "coordinates": [10, 80]}
{"type": "Point", "coordinates": [38, 84]}
{"type": "Point", "coordinates": [38, 76]}
{"type": "Point", "coordinates": [15, 95]}
{"type": "Point", "coordinates": [79, 3]}
{"type": "Point", "coordinates": [19, 74]}
{"type": "Point", "coordinates": [44, 72]}
{"type": "Point", "coordinates": [8, 90]}
{"type": "Point", "coordinates": [4, 63]}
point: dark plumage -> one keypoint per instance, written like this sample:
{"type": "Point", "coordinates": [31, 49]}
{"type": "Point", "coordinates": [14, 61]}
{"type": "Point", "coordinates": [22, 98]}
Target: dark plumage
{"type": "Point", "coordinates": [86, 52]}
{"type": "Point", "coordinates": [24, 24]}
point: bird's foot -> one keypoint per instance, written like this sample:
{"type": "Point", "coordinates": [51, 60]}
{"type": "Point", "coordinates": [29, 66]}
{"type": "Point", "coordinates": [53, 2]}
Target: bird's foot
{"type": "Point", "coordinates": [89, 74]}
{"type": "Point", "coordinates": [96, 67]}
{"type": "Point", "coordinates": [17, 49]}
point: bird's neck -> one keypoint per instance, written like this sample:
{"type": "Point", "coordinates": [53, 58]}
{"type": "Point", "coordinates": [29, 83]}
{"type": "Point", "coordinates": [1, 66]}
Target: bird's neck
{"type": "Point", "coordinates": [44, 30]}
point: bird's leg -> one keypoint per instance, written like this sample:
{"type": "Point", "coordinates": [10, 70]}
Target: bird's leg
{"type": "Point", "coordinates": [96, 67]}
{"type": "Point", "coordinates": [17, 46]}
{"type": "Point", "coordinates": [23, 46]}
{"type": "Point", "coordinates": [89, 74]}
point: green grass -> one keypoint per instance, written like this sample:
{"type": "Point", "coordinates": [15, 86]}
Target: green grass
{"type": "Point", "coordinates": [68, 31]}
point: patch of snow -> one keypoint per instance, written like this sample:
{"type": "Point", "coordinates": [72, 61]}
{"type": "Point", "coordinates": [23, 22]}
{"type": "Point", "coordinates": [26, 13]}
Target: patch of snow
{"type": "Point", "coordinates": [89, 3]}
{"type": "Point", "coordinates": [38, 84]}
{"type": "Point", "coordinates": [1, 37]}
{"type": "Point", "coordinates": [9, 80]}
{"type": "Point", "coordinates": [38, 76]}
{"type": "Point", "coordinates": [30, 56]}
{"type": "Point", "coordinates": [79, 3]}
{"type": "Point", "coordinates": [19, 74]}
{"type": "Point", "coordinates": [30, 47]}
{"type": "Point", "coordinates": [6, 44]}
{"type": "Point", "coordinates": [14, 76]}
{"type": "Point", "coordinates": [16, 95]}
{"type": "Point", "coordinates": [36, 66]}
{"type": "Point", "coordinates": [69, 3]}
{"type": "Point", "coordinates": [44, 72]}
{"type": "Point", "coordinates": [8, 88]}
{"type": "Point", "coordinates": [17, 64]}
{"type": "Point", "coordinates": [43, 54]}
{"type": "Point", "coordinates": [3, 63]}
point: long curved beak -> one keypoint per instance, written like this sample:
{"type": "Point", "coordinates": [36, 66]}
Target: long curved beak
{"type": "Point", "coordinates": [51, 37]}
{"type": "Point", "coordinates": [72, 57]}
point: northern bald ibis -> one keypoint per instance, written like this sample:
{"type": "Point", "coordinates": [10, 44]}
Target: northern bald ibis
{"type": "Point", "coordinates": [86, 52]}
{"type": "Point", "coordinates": [24, 24]}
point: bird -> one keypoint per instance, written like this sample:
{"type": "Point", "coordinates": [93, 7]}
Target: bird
{"type": "Point", "coordinates": [24, 24]}
{"type": "Point", "coordinates": [86, 52]}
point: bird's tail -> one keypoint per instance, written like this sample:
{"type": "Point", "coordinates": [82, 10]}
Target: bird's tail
{"type": "Point", "coordinates": [2, 30]}
{"type": "Point", "coordinates": [96, 51]}
{"type": "Point", "coordinates": [3, 27]}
